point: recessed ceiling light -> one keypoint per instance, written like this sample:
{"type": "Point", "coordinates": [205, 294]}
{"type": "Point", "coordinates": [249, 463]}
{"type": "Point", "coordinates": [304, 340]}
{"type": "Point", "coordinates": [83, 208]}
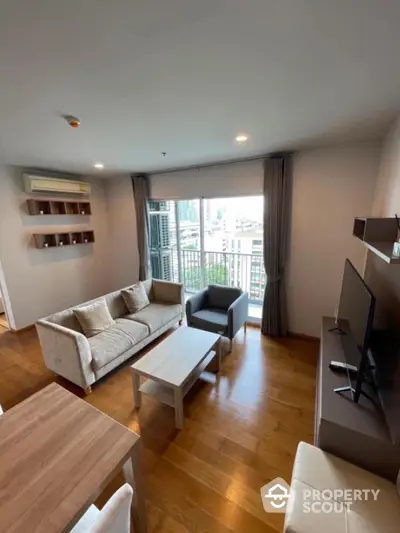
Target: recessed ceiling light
{"type": "Point", "coordinates": [241, 138]}
{"type": "Point", "coordinates": [98, 165]}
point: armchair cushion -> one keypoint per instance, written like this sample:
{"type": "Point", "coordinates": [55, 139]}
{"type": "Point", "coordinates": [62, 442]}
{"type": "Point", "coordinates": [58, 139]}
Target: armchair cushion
{"type": "Point", "coordinates": [214, 320]}
{"type": "Point", "coordinates": [218, 309]}
{"type": "Point", "coordinates": [220, 297]}
{"type": "Point", "coordinates": [196, 303]}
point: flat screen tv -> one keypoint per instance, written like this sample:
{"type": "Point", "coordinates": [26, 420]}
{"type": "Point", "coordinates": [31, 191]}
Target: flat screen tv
{"type": "Point", "coordinates": [354, 321]}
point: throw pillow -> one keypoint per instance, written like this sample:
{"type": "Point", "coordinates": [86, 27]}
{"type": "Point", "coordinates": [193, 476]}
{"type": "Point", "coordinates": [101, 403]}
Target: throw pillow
{"type": "Point", "coordinates": [135, 298]}
{"type": "Point", "coordinates": [94, 318]}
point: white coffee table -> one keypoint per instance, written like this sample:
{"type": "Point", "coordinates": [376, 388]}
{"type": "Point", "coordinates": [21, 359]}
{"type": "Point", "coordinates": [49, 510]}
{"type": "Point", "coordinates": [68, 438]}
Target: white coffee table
{"type": "Point", "coordinates": [173, 367]}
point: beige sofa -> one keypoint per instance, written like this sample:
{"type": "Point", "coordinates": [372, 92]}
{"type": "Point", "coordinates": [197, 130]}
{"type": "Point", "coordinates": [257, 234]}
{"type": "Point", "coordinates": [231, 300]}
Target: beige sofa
{"type": "Point", "coordinates": [317, 470]}
{"type": "Point", "coordinates": [83, 360]}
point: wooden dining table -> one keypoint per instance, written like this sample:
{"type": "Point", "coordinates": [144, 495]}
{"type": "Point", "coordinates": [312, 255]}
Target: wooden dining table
{"type": "Point", "coordinates": [57, 454]}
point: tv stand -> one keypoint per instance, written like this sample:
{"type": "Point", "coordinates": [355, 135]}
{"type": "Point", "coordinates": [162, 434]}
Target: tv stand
{"type": "Point", "coordinates": [356, 432]}
{"type": "Point", "coordinates": [352, 391]}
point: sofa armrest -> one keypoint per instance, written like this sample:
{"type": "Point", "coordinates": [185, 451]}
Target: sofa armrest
{"type": "Point", "coordinates": [237, 314]}
{"type": "Point", "coordinates": [168, 291]}
{"type": "Point", "coordinates": [66, 352]}
{"type": "Point", "coordinates": [195, 303]}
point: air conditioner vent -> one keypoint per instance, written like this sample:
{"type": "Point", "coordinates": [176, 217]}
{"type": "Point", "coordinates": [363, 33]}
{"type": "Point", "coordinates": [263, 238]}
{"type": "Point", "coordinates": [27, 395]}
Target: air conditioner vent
{"type": "Point", "coordinates": [43, 184]}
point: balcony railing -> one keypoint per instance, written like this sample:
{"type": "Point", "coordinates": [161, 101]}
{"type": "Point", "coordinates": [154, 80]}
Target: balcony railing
{"type": "Point", "coordinates": [199, 269]}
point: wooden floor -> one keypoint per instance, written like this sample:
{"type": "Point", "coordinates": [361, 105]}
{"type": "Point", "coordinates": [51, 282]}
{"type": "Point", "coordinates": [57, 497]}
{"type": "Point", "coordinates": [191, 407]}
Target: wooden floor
{"type": "Point", "coordinates": [240, 432]}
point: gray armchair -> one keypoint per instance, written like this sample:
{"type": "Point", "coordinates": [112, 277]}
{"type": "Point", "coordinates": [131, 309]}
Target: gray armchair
{"type": "Point", "coordinates": [218, 309]}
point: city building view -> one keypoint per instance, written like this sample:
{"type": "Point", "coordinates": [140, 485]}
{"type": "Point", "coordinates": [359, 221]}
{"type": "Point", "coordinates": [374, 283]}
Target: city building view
{"type": "Point", "coordinates": [204, 241]}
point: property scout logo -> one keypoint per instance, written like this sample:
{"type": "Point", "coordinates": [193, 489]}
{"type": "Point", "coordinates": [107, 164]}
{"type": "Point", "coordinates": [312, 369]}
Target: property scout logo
{"type": "Point", "coordinates": [275, 496]}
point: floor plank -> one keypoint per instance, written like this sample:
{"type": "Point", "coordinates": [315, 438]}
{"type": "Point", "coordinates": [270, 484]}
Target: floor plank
{"type": "Point", "coordinates": [239, 433]}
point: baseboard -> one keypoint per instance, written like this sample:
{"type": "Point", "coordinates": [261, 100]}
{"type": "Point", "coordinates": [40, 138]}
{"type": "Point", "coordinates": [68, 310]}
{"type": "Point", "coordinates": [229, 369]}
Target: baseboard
{"type": "Point", "coordinates": [303, 336]}
{"type": "Point", "coordinates": [26, 328]}
{"type": "Point", "coordinates": [254, 324]}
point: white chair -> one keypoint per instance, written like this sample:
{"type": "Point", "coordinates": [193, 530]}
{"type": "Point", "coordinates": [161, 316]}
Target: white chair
{"type": "Point", "coordinates": [115, 517]}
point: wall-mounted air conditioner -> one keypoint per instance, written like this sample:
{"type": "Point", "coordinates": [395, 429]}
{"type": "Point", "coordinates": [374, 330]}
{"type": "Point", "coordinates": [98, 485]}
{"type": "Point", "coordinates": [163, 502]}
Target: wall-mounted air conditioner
{"type": "Point", "coordinates": [38, 184]}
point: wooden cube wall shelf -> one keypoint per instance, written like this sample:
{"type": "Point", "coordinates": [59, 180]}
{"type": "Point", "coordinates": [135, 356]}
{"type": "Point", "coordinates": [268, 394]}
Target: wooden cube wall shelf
{"type": "Point", "coordinates": [57, 240]}
{"type": "Point", "coordinates": [379, 235]}
{"type": "Point", "coordinates": [56, 207]}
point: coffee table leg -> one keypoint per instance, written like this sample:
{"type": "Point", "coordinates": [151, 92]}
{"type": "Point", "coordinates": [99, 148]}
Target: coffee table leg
{"type": "Point", "coordinates": [178, 408]}
{"type": "Point", "coordinates": [218, 349]}
{"type": "Point", "coordinates": [137, 395]}
{"type": "Point", "coordinates": [133, 476]}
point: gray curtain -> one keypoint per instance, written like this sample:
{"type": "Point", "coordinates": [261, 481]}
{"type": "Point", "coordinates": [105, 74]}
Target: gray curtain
{"type": "Point", "coordinates": [277, 197]}
{"type": "Point", "coordinates": [141, 190]}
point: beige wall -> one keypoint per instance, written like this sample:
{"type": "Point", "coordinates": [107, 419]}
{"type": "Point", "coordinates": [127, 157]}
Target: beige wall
{"type": "Point", "coordinates": [383, 278]}
{"type": "Point", "coordinates": [124, 264]}
{"type": "Point", "coordinates": [387, 193]}
{"type": "Point", "coordinates": [331, 186]}
{"type": "Point", "coordinates": [40, 282]}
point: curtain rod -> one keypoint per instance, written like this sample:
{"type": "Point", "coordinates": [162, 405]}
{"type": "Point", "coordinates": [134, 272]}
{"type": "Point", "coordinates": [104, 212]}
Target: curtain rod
{"type": "Point", "coordinates": [204, 165]}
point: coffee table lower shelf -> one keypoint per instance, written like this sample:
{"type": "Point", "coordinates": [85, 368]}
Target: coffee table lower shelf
{"type": "Point", "coordinates": [165, 394]}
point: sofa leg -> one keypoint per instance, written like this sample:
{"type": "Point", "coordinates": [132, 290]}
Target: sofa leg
{"type": "Point", "coordinates": [88, 390]}
{"type": "Point", "coordinates": [180, 322]}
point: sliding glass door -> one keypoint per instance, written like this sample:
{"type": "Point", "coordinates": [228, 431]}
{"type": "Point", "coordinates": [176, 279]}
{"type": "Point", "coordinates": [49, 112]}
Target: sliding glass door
{"type": "Point", "coordinates": [204, 241]}
{"type": "Point", "coordinates": [233, 243]}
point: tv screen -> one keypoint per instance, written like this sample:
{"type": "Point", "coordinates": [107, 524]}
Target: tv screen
{"type": "Point", "coordinates": [356, 307]}
{"type": "Point", "coordinates": [355, 318]}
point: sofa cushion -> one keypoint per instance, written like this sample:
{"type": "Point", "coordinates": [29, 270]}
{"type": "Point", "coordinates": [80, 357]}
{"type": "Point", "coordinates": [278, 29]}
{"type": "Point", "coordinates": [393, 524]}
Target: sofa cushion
{"type": "Point", "coordinates": [156, 315]}
{"type": "Point", "coordinates": [214, 320]}
{"type": "Point", "coordinates": [116, 340]}
{"type": "Point", "coordinates": [135, 298]}
{"type": "Point", "coordinates": [148, 287]}
{"type": "Point", "coordinates": [67, 319]}
{"type": "Point", "coordinates": [94, 318]}
{"type": "Point", "coordinates": [167, 292]}
{"type": "Point", "coordinates": [116, 304]}
{"type": "Point", "coordinates": [220, 297]}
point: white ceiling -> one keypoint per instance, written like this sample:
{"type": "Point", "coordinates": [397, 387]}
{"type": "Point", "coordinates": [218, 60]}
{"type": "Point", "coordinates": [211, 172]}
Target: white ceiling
{"type": "Point", "coordinates": [185, 76]}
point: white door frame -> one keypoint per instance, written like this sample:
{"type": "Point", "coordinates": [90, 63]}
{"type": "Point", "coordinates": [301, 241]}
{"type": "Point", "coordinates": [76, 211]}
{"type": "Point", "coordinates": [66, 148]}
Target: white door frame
{"type": "Point", "coordinates": [6, 299]}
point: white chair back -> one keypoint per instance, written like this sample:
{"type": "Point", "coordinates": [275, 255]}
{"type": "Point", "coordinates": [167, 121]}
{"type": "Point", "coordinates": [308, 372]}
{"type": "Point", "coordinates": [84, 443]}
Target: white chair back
{"type": "Point", "coordinates": [115, 517]}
